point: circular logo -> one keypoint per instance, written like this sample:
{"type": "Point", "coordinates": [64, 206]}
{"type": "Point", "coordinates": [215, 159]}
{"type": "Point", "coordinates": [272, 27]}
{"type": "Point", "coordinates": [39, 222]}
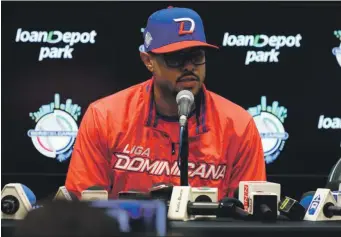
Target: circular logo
{"type": "Point", "coordinates": [337, 53]}
{"type": "Point", "coordinates": [148, 39]}
{"type": "Point", "coordinates": [272, 133]}
{"type": "Point", "coordinates": [54, 134]}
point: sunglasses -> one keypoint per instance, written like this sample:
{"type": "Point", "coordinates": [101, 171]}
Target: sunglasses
{"type": "Point", "coordinates": [179, 59]}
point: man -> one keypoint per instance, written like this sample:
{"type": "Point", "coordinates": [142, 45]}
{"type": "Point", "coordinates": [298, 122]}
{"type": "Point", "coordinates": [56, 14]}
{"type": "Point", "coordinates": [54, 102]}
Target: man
{"type": "Point", "coordinates": [130, 140]}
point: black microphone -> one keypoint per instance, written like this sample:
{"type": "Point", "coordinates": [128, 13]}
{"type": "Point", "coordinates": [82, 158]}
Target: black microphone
{"type": "Point", "coordinates": [185, 101]}
{"type": "Point", "coordinates": [227, 207]}
{"type": "Point", "coordinates": [264, 207]}
{"type": "Point", "coordinates": [330, 210]}
{"type": "Point", "coordinates": [232, 207]}
{"type": "Point", "coordinates": [161, 191]}
{"type": "Point", "coordinates": [292, 209]}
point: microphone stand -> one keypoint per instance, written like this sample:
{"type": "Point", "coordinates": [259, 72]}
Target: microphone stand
{"type": "Point", "coordinates": [183, 155]}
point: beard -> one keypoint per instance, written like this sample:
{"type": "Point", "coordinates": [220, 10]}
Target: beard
{"type": "Point", "coordinates": [170, 90]}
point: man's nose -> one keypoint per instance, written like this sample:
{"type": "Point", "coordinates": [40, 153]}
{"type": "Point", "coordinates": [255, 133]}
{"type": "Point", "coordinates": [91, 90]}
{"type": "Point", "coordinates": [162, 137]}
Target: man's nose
{"type": "Point", "coordinates": [188, 66]}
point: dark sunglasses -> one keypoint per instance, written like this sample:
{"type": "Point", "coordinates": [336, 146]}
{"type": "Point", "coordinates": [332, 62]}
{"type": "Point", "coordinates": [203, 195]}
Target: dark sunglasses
{"type": "Point", "coordinates": [179, 59]}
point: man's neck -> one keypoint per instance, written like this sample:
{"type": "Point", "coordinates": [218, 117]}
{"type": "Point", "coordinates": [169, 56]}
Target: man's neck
{"type": "Point", "coordinates": [165, 105]}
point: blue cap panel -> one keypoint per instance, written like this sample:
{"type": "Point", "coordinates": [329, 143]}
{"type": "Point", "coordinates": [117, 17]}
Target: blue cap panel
{"type": "Point", "coordinates": [173, 25]}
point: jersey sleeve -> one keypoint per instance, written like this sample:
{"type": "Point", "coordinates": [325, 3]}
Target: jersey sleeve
{"type": "Point", "coordinates": [89, 164]}
{"type": "Point", "coordinates": [249, 164]}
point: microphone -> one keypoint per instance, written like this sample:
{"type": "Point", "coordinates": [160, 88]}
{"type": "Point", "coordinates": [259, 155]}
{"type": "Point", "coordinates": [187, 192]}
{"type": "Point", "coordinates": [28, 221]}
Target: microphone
{"type": "Point", "coordinates": [306, 199]}
{"type": "Point", "coordinates": [204, 194]}
{"type": "Point", "coordinates": [292, 209]}
{"type": "Point", "coordinates": [264, 205]}
{"type": "Point", "coordinates": [185, 101]}
{"type": "Point", "coordinates": [182, 208]}
{"type": "Point", "coordinates": [323, 207]}
{"type": "Point", "coordinates": [16, 201]}
{"type": "Point", "coordinates": [161, 191]}
{"type": "Point", "coordinates": [232, 207]}
{"type": "Point", "coordinates": [94, 193]}
{"type": "Point", "coordinates": [64, 194]}
{"type": "Point", "coordinates": [260, 194]}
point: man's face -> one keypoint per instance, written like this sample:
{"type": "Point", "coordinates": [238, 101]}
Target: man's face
{"type": "Point", "coordinates": [180, 70]}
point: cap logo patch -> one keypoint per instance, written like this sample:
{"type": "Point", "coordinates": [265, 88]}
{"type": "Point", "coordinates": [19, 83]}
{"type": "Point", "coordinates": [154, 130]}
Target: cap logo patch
{"type": "Point", "coordinates": [148, 39]}
{"type": "Point", "coordinates": [182, 21]}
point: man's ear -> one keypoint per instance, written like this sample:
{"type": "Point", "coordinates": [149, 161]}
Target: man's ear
{"type": "Point", "coordinates": [147, 60]}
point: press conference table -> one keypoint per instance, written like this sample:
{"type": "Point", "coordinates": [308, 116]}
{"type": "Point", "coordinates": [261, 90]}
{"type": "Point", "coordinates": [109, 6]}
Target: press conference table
{"type": "Point", "coordinates": [231, 227]}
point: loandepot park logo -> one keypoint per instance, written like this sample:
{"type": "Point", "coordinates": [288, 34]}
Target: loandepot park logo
{"type": "Point", "coordinates": [328, 122]}
{"type": "Point", "coordinates": [266, 48]}
{"type": "Point", "coordinates": [56, 128]}
{"type": "Point", "coordinates": [337, 50]}
{"type": "Point", "coordinates": [269, 120]}
{"type": "Point", "coordinates": [58, 38]}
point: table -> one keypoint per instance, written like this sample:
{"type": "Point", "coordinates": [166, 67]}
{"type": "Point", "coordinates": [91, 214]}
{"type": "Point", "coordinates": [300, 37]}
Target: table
{"type": "Point", "coordinates": [231, 227]}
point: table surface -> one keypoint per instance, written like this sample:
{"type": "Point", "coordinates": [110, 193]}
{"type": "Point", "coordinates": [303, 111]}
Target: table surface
{"type": "Point", "coordinates": [232, 224]}
{"type": "Point", "coordinates": [234, 228]}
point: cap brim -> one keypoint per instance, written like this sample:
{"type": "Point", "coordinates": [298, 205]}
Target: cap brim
{"type": "Point", "coordinates": [182, 45]}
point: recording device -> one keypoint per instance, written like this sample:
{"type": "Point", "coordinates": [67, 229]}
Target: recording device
{"type": "Point", "coordinates": [137, 216]}
{"type": "Point", "coordinates": [307, 198]}
{"type": "Point", "coordinates": [16, 201]}
{"type": "Point", "coordinates": [263, 205]}
{"type": "Point", "coordinates": [204, 194]}
{"type": "Point", "coordinates": [260, 198]}
{"type": "Point", "coordinates": [227, 207]}
{"type": "Point", "coordinates": [232, 207]}
{"type": "Point", "coordinates": [184, 207]}
{"type": "Point", "coordinates": [64, 194]}
{"type": "Point", "coordinates": [292, 209]}
{"type": "Point", "coordinates": [323, 207]}
{"type": "Point", "coordinates": [94, 193]}
{"type": "Point", "coordinates": [161, 191]}
{"type": "Point", "coordinates": [185, 100]}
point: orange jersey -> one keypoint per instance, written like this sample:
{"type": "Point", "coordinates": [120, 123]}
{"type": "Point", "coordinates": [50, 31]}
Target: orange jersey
{"type": "Point", "coordinates": [123, 144]}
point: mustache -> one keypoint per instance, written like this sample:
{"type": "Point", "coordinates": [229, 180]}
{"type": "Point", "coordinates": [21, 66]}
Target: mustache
{"type": "Point", "coordinates": [188, 74]}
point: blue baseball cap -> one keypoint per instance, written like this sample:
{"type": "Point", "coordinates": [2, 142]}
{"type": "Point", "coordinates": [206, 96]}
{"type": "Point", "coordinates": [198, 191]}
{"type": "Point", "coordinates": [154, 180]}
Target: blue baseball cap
{"type": "Point", "coordinates": [174, 29]}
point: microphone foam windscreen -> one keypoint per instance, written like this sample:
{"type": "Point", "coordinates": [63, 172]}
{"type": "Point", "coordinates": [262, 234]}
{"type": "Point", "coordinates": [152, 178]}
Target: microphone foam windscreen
{"type": "Point", "coordinates": [305, 202]}
{"type": "Point", "coordinates": [235, 201]}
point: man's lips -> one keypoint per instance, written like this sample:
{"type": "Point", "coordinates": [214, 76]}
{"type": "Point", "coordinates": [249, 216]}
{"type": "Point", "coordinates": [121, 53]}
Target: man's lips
{"type": "Point", "coordinates": [188, 78]}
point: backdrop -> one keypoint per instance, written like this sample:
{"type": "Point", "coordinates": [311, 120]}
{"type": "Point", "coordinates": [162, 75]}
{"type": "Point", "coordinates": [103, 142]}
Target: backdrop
{"type": "Point", "coordinates": [280, 61]}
